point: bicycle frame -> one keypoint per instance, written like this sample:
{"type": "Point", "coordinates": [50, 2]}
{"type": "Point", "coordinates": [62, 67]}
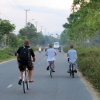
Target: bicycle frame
{"type": "Point", "coordinates": [25, 79]}
{"type": "Point", "coordinates": [51, 66]}
{"type": "Point", "coordinates": [72, 70]}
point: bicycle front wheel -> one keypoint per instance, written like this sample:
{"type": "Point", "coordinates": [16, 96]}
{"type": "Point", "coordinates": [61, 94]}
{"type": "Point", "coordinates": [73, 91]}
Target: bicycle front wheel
{"type": "Point", "coordinates": [51, 73]}
{"type": "Point", "coordinates": [27, 85]}
{"type": "Point", "coordinates": [72, 74]}
{"type": "Point", "coordinates": [24, 87]}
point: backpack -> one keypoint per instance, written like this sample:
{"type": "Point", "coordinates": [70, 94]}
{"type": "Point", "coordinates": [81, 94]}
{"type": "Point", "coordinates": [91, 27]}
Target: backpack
{"type": "Point", "coordinates": [25, 56]}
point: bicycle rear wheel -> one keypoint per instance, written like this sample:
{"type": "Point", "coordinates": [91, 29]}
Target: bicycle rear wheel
{"type": "Point", "coordinates": [27, 85]}
{"type": "Point", "coordinates": [24, 81]}
{"type": "Point", "coordinates": [72, 71]}
{"type": "Point", "coordinates": [51, 72]}
{"type": "Point", "coordinates": [72, 74]}
{"type": "Point", "coordinates": [27, 79]}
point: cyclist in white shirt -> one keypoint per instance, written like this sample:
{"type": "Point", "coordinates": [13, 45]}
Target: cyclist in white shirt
{"type": "Point", "coordinates": [72, 54]}
{"type": "Point", "coordinates": [51, 53]}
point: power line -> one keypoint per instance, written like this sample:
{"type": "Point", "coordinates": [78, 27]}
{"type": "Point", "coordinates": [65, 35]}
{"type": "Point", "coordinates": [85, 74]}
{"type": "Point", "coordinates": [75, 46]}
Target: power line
{"type": "Point", "coordinates": [14, 1]}
{"type": "Point", "coordinates": [11, 4]}
{"type": "Point", "coordinates": [8, 18]}
{"type": "Point", "coordinates": [17, 4]}
{"type": "Point", "coordinates": [4, 15]}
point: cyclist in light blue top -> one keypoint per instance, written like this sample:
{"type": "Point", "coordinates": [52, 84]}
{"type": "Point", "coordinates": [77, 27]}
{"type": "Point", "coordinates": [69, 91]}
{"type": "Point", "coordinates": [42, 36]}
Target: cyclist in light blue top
{"type": "Point", "coordinates": [50, 53]}
{"type": "Point", "coordinates": [72, 54]}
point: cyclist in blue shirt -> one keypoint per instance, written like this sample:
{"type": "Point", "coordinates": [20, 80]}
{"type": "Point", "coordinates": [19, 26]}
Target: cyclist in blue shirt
{"type": "Point", "coordinates": [72, 54]}
{"type": "Point", "coordinates": [51, 53]}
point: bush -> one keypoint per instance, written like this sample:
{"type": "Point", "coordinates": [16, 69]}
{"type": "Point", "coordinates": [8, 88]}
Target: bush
{"type": "Point", "coordinates": [8, 53]}
{"type": "Point", "coordinates": [35, 48]}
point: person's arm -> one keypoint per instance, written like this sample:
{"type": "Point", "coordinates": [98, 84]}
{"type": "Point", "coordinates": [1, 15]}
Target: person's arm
{"type": "Point", "coordinates": [55, 53]}
{"type": "Point", "coordinates": [34, 58]}
{"type": "Point", "coordinates": [76, 55]}
{"type": "Point", "coordinates": [17, 56]}
{"type": "Point", "coordinates": [46, 52]}
{"type": "Point", "coordinates": [67, 57]}
{"type": "Point", "coordinates": [33, 55]}
{"type": "Point", "coordinates": [18, 53]}
{"type": "Point", "coordinates": [67, 54]}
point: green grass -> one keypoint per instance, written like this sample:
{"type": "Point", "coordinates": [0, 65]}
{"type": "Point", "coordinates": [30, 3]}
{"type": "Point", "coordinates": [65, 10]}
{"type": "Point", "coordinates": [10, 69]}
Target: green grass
{"type": "Point", "coordinates": [8, 54]}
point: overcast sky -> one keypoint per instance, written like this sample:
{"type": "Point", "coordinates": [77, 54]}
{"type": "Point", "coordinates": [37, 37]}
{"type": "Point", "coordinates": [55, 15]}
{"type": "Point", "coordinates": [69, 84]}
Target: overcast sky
{"type": "Point", "coordinates": [51, 14]}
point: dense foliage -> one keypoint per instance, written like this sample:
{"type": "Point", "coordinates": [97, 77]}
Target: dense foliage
{"type": "Point", "coordinates": [5, 28]}
{"type": "Point", "coordinates": [84, 21]}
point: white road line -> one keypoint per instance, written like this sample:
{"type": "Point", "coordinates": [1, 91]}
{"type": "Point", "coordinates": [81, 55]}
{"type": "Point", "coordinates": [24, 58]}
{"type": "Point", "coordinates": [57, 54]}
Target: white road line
{"type": "Point", "coordinates": [9, 86]}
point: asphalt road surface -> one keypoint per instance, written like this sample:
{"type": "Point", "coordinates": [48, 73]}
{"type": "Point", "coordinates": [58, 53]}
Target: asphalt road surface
{"type": "Point", "coordinates": [60, 87]}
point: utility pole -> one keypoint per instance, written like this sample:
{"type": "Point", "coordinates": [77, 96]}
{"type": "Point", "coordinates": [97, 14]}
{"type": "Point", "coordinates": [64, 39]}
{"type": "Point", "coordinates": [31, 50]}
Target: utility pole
{"type": "Point", "coordinates": [0, 20]}
{"type": "Point", "coordinates": [26, 19]}
{"type": "Point", "coordinates": [36, 26]}
{"type": "Point", "coordinates": [45, 31]}
{"type": "Point", "coordinates": [26, 16]}
{"type": "Point", "coordinates": [41, 28]}
{"type": "Point", "coordinates": [48, 34]}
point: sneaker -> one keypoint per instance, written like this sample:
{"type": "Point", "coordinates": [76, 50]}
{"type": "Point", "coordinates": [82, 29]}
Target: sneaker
{"type": "Point", "coordinates": [75, 71]}
{"type": "Point", "coordinates": [68, 71]}
{"type": "Point", "coordinates": [48, 68]}
{"type": "Point", "coordinates": [20, 81]}
{"type": "Point", "coordinates": [53, 70]}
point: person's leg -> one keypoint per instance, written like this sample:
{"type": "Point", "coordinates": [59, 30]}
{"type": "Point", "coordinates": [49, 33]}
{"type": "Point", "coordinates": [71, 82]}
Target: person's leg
{"type": "Point", "coordinates": [48, 63]}
{"type": "Point", "coordinates": [21, 73]}
{"type": "Point", "coordinates": [30, 68]}
{"type": "Point", "coordinates": [75, 67]}
{"type": "Point", "coordinates": [69, 67]}
{"type": "Point", "coordinates": [30, 75]}
{"type": "Point", "coordinates": [53, 66]}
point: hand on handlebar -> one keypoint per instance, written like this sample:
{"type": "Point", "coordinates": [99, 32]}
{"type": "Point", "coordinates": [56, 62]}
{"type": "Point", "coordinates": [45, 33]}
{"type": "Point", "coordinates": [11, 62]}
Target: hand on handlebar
{"type": "Point", "coordinates": [33, 60]}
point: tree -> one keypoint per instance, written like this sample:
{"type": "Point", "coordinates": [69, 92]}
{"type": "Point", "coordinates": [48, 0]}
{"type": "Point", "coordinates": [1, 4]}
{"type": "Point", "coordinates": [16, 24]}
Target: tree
{"type": "Point", "coordinates": [29, 31]}
{"type": "Point", "coordinates": [5, 28]}
{"type": "Point", "coordinates": [84, 21]}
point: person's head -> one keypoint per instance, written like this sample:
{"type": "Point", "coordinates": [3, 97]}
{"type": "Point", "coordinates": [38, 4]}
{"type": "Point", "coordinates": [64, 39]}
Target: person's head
{"type": "Point", "coordinates": [50, 46]}
{"type": "Point", "coordinates": [27, 43]}
{"type": "Point", "coordinates": [71, 46]}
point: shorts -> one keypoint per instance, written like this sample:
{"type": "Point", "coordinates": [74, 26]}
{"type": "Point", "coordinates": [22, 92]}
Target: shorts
{"type": "Point", "coordinates": [30, 66]}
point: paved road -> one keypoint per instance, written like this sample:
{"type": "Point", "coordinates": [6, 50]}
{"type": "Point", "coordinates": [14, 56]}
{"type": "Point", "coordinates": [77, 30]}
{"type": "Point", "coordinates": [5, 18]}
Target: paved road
{"type": "Point", "coordinates": [60, 87]}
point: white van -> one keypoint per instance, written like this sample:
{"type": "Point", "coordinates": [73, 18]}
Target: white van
{"type": "Point", "coordinates": [56, 45]}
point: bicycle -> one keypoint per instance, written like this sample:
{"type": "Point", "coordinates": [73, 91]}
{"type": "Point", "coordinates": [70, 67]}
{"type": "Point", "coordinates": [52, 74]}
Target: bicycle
{"type": "Point", "coordinates": [51, 66]}
{"type": "Point", "coordinates": [72, 71]}
{"type": "Point", "coordinates": [25, 79]}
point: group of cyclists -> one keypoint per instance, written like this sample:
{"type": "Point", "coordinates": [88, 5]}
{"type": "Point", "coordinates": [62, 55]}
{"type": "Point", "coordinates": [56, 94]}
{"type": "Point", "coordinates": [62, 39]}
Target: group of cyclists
{"type": "Point", "coordinates": [25, 56]}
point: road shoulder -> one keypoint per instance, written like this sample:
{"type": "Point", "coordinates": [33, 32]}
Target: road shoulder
{"type": "Point", "coordinates": [89, 86]}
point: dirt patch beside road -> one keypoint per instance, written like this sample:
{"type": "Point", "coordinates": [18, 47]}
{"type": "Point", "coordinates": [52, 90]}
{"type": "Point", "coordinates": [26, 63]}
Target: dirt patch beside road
{"type": "Point", "coordinates": [89, 86]}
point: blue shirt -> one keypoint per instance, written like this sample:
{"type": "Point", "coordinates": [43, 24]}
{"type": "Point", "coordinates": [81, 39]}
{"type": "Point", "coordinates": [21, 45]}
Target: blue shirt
{"type": "Point", "coordinates": [72, 54]}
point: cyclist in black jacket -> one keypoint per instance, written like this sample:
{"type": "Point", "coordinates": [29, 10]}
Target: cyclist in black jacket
{"type": "Point", "coordinates": [29, 64]}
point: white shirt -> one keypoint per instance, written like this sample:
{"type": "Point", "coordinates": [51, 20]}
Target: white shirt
{"type": "Point", "coordinates": [39, 48]}
{"type": "Point", "coordinates": [72, 55]}
{"type": "Point", "coordinates": [51, 54]}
